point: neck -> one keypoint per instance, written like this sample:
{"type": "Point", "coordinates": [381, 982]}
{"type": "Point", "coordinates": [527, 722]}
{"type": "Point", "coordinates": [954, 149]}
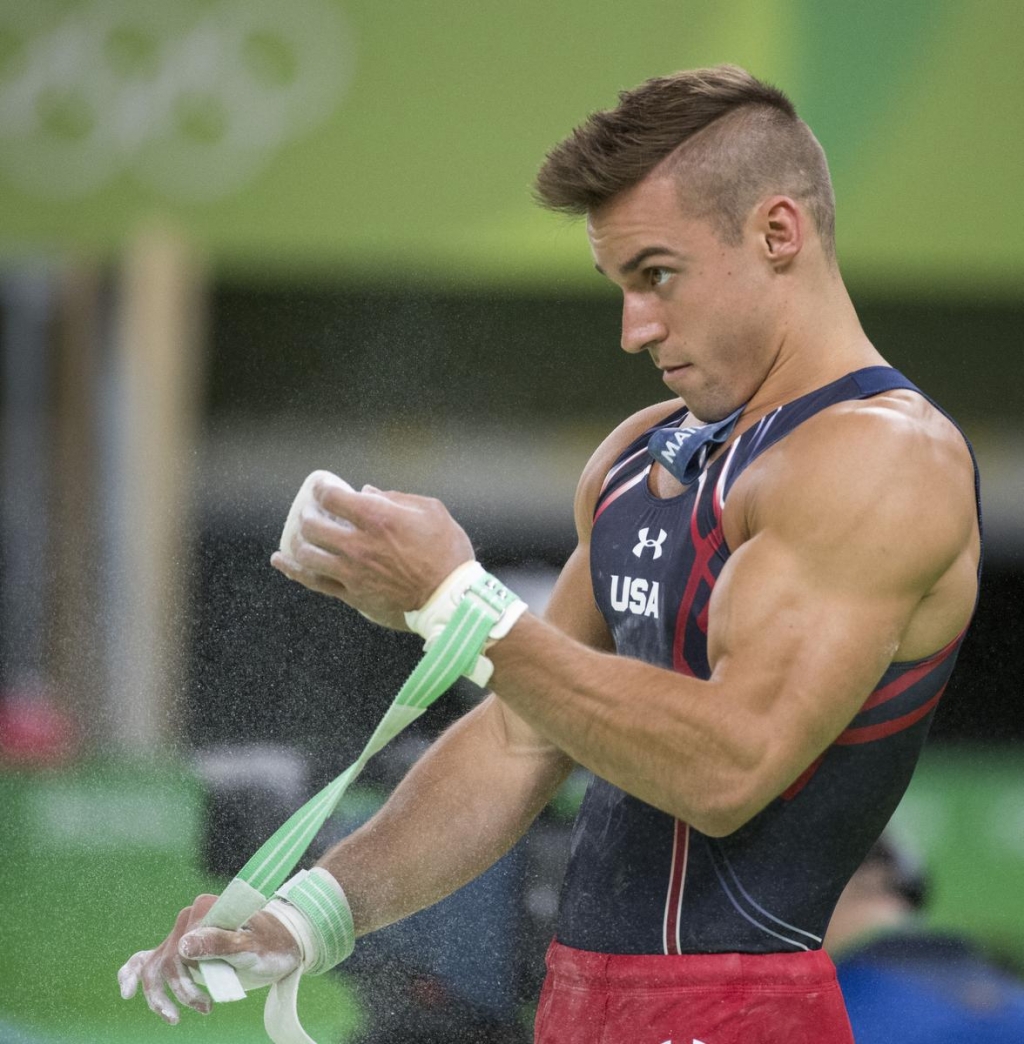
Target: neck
{"type": "Point", "coordinates": [820, 340]}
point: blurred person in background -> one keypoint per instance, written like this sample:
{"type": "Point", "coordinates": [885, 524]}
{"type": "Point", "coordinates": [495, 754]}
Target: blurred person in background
{"type": "Point", "coordinates": [775, 571]}
{"type": "Point", "coordinates": [905, 983]}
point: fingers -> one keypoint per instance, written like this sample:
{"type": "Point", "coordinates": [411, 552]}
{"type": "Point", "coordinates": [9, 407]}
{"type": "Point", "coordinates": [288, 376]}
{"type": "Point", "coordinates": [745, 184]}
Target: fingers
{"type": "Point", "coordinates": [144, 967]}
{"type": "Point", "coordinates": [407, 500]}
{"type": "Point", "coordinates": [341, 501]}
{"type": "Point", "coordinates": [320, 537]}
{"type": "Point", "coordinates": [264, 951]}
{"type": "Point", "coordinates": [368, 509]}
{"type": "Point", "coordinates": [172, 971]}
{"type": "Point", "coordinates": [320, 529]}
{"type": "Point", "coordinates": [163, 967]}
{"type": "Point", "coordinates": [382, 553]}
{"type": "Point", "coordinates": [203, 943]}
{"type": "Point", "coordinates": [202, 905]}
{"type": "Point", "coordinates": [315, 581]}
{"type": "Point", "coordinates": [185, 988]}
{"type": "Point", "coordinates": [129, 973]}
{"type": "Point", "coordinates": [140, 968]}
{"type": "Point", "coordinates": [156, 997]}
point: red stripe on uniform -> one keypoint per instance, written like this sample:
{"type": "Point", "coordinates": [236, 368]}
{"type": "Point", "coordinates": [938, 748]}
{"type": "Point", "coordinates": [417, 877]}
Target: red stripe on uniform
{"type": "Point", "coordinates": [868, 733]}
{"type": "Point", "coordinates": [618, 467]}
{"type": "Point", "coordinates": [904, 681]}
{"type": "Point", "coordinates": [803, 779]}
{"type": "Point", "coordinates": [676, 884]}
{"type": "Point", "coordinates": [704, 549]}
{"type": "Point", "coordinates": [612, 497]}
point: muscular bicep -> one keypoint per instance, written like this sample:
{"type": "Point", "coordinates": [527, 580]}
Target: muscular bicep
{"type": "Point", "coordinates": [810, 610]}
{"type": "Point", "coordinates": [800, 652]}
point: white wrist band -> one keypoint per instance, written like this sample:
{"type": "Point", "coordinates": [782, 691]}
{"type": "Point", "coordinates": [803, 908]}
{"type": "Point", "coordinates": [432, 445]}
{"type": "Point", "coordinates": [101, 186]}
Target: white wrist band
{"type": "Point", "coordinates": [430, 620]}
{"type": "Point", "coordinates": [313, 907]}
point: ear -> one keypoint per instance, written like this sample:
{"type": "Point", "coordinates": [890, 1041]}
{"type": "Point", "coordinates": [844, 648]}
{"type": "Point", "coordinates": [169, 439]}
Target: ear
{"type": "Point", "coordinates": [781, 228]}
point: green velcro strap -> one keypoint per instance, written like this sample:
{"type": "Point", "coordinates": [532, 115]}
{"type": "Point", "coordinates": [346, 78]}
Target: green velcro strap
{"type": "Point", "coordinates": [320, 898]}
{"type": "Point", "coordinates": [485, 612]}
{"type": "Point", "coordinates": [453, 654]}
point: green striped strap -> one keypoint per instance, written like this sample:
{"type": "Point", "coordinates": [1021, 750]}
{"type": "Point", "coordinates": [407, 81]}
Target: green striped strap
{"type": "Point", "coordinates": [453, 654]}
{"type": "Point", "coordinates": [328, 918]}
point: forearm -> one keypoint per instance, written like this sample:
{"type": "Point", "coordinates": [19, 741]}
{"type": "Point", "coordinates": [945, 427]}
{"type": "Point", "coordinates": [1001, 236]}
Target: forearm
{"type": "Point", "coordinates": [660, 736]}
{"type": "Point", "coordinates": [462, 806]}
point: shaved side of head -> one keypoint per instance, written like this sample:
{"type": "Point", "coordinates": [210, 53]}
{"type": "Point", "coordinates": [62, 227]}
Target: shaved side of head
{"type": "Point", "coordinates": [730, 139]}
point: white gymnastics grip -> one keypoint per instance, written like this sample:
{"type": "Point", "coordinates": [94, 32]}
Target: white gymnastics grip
{"type": "Point", "coordinates": [238, 902]}
{"type": "Point", "coordinates": [220, 979]}
{"type": "Point", "coordinates": [302, 498]}
{"type": "Point", "coordinates": [281, 1015]}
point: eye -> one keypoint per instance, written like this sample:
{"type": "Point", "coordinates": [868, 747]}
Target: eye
{"type": "Point", "coordinates": [658, 276]}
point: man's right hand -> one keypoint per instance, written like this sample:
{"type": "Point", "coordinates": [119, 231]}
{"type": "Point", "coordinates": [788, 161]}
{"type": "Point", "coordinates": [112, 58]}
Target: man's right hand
{"type": "Point", "coordinates": [262, 951]}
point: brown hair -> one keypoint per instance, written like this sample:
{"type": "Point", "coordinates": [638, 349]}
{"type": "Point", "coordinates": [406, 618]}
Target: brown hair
{"type": "Point", "coordinates": [733, 140]}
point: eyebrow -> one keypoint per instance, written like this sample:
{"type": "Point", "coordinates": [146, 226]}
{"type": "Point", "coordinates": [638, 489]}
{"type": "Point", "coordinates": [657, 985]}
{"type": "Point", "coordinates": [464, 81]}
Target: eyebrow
{"type": "Point", "coordinates": [640, 257]}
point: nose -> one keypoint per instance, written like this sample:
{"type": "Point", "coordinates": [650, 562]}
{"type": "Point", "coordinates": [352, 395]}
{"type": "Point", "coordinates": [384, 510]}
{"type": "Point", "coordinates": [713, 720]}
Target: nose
{"type": "Point", "coordinates": [642, 325]}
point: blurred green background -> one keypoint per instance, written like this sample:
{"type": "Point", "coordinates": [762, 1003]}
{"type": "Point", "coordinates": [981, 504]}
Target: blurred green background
{"type": "Point", "coordinates": [239, 241]}
{"type": "Point", "coordinates": [398, 140]}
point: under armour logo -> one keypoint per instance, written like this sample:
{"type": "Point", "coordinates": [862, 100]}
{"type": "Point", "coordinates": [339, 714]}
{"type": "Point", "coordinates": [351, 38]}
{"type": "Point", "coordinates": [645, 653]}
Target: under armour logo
{"type": "Point", "coordinates": [644, 542]}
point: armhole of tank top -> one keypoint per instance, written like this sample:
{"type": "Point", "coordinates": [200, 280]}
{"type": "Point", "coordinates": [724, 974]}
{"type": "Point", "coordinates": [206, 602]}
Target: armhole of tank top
{"type": "Point", "coordinates": [633, 449]}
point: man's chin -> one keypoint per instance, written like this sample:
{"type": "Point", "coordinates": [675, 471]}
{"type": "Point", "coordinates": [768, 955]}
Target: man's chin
{"type": "Point", "coordinates": [707, 412]}
{"type": "Point", "coordinates": [705, 405]}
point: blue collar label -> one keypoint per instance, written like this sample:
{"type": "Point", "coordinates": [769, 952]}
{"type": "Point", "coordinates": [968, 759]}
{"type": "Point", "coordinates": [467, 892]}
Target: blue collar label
{"type": "Point", "coordinates": [683, 452]}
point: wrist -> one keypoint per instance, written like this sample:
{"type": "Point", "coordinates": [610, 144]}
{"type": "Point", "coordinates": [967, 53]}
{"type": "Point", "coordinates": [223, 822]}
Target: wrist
{"type": "Point", "coordinates": [468, 581]}
{"type": "Point", "coordinates": [432, 617]}
{"type": "Point", "coordinates": [314, 909]}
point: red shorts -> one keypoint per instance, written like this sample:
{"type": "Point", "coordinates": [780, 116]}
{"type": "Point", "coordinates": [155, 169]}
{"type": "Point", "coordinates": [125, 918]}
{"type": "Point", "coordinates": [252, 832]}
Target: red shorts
{"type": "Point", "coordinates": [715, 998]}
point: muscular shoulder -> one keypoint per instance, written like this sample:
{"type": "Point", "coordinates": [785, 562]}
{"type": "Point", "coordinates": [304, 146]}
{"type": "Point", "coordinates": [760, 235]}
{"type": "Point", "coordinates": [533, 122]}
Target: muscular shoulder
{"type": "Point", "coordinates": [606, 454]}
{"type": "Point", "coordinates": [894, 449]}
{"type": "Point", "coordinates": [882, 487]}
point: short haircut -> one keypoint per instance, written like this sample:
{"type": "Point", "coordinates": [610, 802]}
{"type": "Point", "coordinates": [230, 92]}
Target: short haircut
{"type": "Point", "coordinates": [733, 139]}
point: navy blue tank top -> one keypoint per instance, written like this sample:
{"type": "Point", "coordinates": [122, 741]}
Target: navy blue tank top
{"type": "Point", "coordinates": [640, 881]}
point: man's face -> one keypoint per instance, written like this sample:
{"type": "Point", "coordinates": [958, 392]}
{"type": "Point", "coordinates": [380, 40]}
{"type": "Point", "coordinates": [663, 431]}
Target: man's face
{"type": "Point", "coordinates": [707, 312]}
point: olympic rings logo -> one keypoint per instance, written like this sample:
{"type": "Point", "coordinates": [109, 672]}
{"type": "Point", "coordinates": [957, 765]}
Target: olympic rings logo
{"type": "Point", "coordinates": [191, 98]}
